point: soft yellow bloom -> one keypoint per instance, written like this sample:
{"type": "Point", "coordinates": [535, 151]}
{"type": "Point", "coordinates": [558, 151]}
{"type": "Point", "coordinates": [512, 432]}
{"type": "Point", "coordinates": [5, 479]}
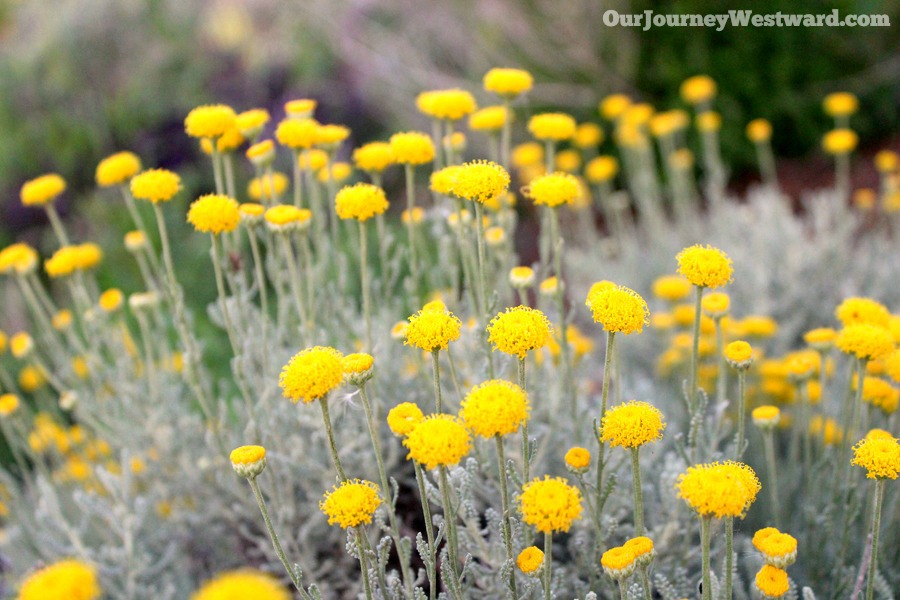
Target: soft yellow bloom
{"type": "Point", "coordinates": [709, 121]}
{"type": "Point", "coordinates": [671, 288]}
{"type": "Point", "coordinates": [404, 417]}
{"type": "Point", "coordinates": [518, 330]}
{"type": "Point", "coordinates": [155, 185]}
{"type": "Point", "coordinates": [361, 202]}
{"type": "Point", "coordinates": [865, 341]}
{"type": "Point", "coordinates": [240, 585]}
{"type": "Point", "coordinates": [632, 425]}
{"type": "Point", "coordinates": [705, 266]}
{"type": "Point", "coordinates": [214, 213]}
{"type": "Point", "coordinates": [554, 189]}
{"type": "Point", "coordinates": [508, 83]}
{"type": "Point", "coordinates": [286, 217]}
{"type": "Point", "coordinates": [612, 107]}
{"type": "Point", "coordinates": [351, 504]}
{"type": "Point", "coordinates": [489, 118]}
{"type": "Point", "coordinates": [568, 161]}
{"type": "Point", "coordinates": [431, 330]}
{"type": "Point", "coordinates": [521, 277]}
{"type": "Point", "coordinates": [412, 148]}
{"type": "Point", "coordinates": [716, 304]}
{"type": "Point", "coordinates": [117, 168]}
{"type": "Point", "coordinates": [552, 126]}
{"type": "Point", "coordinates": [42, 190]}
{"type": "Point", "coordinates": [578, 459]}
{"type": "Point", "coordinates": [261, 153]}
{"type": "Point", "coordinates": [739, 354]}
{"type": "Point", "coordinates": [301, 108]}
{"type": "Point", "coordinates": [550, 504]}
{"type": "Point", "coordinates": [251, 122]}
{"type": "Point", "coordinates": [619, 309]}
{"type": "Point", "coordinates": [311, 374]}
{"type": "Point", "coordinates": [495, 408]}
{"type": "Point", "coordinates": [840, 141]}
{"type": "Point", "coordinates": [268, 186]}
{"type": "Point", "coordinates": [64, 580]}
{"type": "Point", "coordinates": [719, 489]}
{"type": "Point", "coordinates": [373, 157]}
{"type": "Point", "coordinates": [879, 456]}
{"type": "Point", "coordinates": [698, 89]}
{"type": "Point", "coordinates": [618, 563]}
{"type": "Point", "coordinates": [248, 461]}
{"type": "Point", "coordinates": [439, 440]}
{"type": "Point", "coordinates": [18, 257]}
{"type": "Point", "coordinates": [759, 130]}
{"type": "Point", "coordinates": [9, 403]}
{"type": "Point", "coordinates": [446, 105]}
{"type": "Point", "coordinates": [330, 136]}
{"type": "Point", "coordinates": [853, 311]}
{"type": "Point", "coordinates": [111, 300]}
{"type": "Point", "coordinates": [601, 168]}
{"type": "Point", "coordinates": [209, 121]}
{"type": "Point", "coordinates": [772, 582]}
{"type": "Point", "coordinates": [479, 181]}
{"type": "Point", "coordinates": [886, 161]}
{"type": "Point", "coordinates": [840, 104]}
{"type": "Point", "coordinates": [302, 133]}
{"type": "Point", "coordinates": [530, 560]}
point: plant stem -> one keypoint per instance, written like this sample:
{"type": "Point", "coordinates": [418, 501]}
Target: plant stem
{"type": "Point", "coordinates": [622, 595]}
{"type": "Point", "coordinates": [638, 493]}
{"type": "Point", "coordinates": [695, 351]}
{"type": "Point", "coordinates": [507, 530]}
{"type": "Point", "coordinates": [363, 566]}
{"type": "Point", "coordinates": [704, 541]}
{"type": "Point", "coordinates": [410, 224]}
{"type": "Point", "coordinates": [729, 555]}
{"type": "Point", "coordinates": [548, 561]}
{"type": "Point", "coordinates": [323, 403]}
{"type": "Point", "coordinates": [263, 295]}
{"type": "Point", "coordinates": [645, 581]}
{"type": "Point", "coordinates": [505, 134]}
{"type": "Point", "coordinates": [876, 525]}
{"type": "Point", "coordinates": [742, 391]}
{"type": "Point", "coordinates": [450, 523]}
{"type": "Point", "coordinates": [526, 455]}
{"type": "Point", "coordinates": [364, 278]}
{"type": "Point", "coordinates": [556, 244]}
{"type": "Point", "coordinates": [604, 396]}
{"type": "Point", "coordinates": [429, 532]}
{"type": "Point", "coordinates": [482, 284]}
{"type": "Point", "coordinates": [436, 378]}
{"type": "Point", "coordinates": [295, 171]}
{"type": "Point", "coordinates": [56, 224]}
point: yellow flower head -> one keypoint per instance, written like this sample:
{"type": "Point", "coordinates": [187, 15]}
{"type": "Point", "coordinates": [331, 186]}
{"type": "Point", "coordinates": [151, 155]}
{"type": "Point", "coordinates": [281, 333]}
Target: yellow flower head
{"type": "Point", "coordinates": [759, 130]}
{"type": "Point", "coordinates": [612, 107]}
{"type": "Point", "coordinates": [554, 189]}
{"type": "Point", "coordinates": [351, 504]}
{"type": "Point", "coordinates": [330, 136]}
{"type": "Point", "coordinates": [552, 126]}
{"type": "Point", "coordinates": [568, 160]}
{"type": "Point", "coordinates": [21, 345]}
{"type": "Point", "coordinates": [739, 354]}
{"type": "Point", "coordinates": [642, 548]}
{"type": "Point", "coordinates": [766, 416]}
{"type": "Point", "coordinates": [480, 181]}
{"type": "Point", "coordinates": [840, 141]}
{"type": "Point", "coordinates": [821, 338]}
{"type": "Point", "coordinates": [601, 168]}
{"type": "Point", "coordinates": [772, 582]}
{"type": "Point", "coordinates": [853, 311]}
{"type": "Point", "coordinates": [518, 330]}
{"type": "Point", "coordinates": [578, 459]}
{"type": "Point", "coordinates": [709, 121]}
{"type": "Point", "coordinates": [880, 457]}
{"type": "Point", "coordinates": [550, 504]}
{"type": "Point", "coordinates": [9, 403]}
{"type": "Point", "coordinates": [64, 580]}
{"type": "Point", "coordinates": [879, 393]}
{"type": "Point", "coordinates": [240, 584]}
{"type": "Point", "coordinates": [438, 441]}
{"type": "Point", "coordinates": [588, 135]}
{"type": "Point", "coordinates": [489, 118]}
{"type": "Point", "coordinates": [879, 434]}
{"type": "Point", "coordinates": [507, 83]}
{"type": "Point", "coordinates": [416, 216]}
{"type": "Point", "coordinates": [32, 378]}
{"type": "Point", "coordinates": [42, 190]}
{"type": "Point", "coordinates": [705, 266]}
{"type": "Point", "coordinates": [337, 172]}
{"type": "Point", "coordinates": [631, 425]}
{"type": "Point", "coordinates": [719, 489]}
{"type": "Point", "coordinates": [619, 310]}
{"type": "Point", "coordinates": [361, 202]}
{"type": "Point", "coordinates": [865, 341]}
{"type": "Point", "coordinates": [892, 365]}
{"type": "Point", "coordinates": [18, 257]}
{"type": "Point", "coordinates": [886, 161]}
{"type": "Point", "coordinates": [521, 277]}
{"type": "Point", "coordinates": [251, 122]}
{"type": "Point", "coordinates": [442, 181]}
{"type": "Point", "coordinates": [69, 259]}
{"type": "Point", "coordinates": [298, 133]}
{"type": "Point", "coordinates": [155, 185]}
{"type": "Point", "coordinates": [117, 168]}
{"type": "Point", "coordinates": [302, 108]}
{"type": "Point", "coordinates": [403, 418]}
{"type": "Point", "coordinates": [358, 368]}
{"type": "Point", "coordinates": [698, 89]}
{"type": "Point", "coordinates": [286, 217]}
{"type": "Point", "coordinates": [495, 407]}
{"type": "Point", "coordinates": [446, 105]}
{"type": "Point", "coordinates": [716, 304]}
{"type": "Point", "coordinates": [530, 560]}
{"type": "Point", "coordinates": [214, 213]}
{"type": "Point", "coordinates": [527, 154]}
{"type": "Point", "coordinates": [373, 157]}
{"type": "Point", "coordinates": [311, 374]}
{"type": "Point", "coordinates": [778, 549]}
{"type": "Point", "coordinates": [210, 121]}
{"type": "Point", "coordinates": [840, 104]}
{"type": "Point", "coordinates": [267, 186]}
{"type": "Point", "coordinates": [671, 288]}
{"type": "Point", "coordinates": [412, 148]}
{"type": "Point", "coordinates": [431, 330]}
{"type": "Point", "coordinates": [261, 154]}
{"type": "Point", "coordinates": [248, 461]}
{"type": "Point", "coordinates": [111, 300]}
{"type": "Point", "coordinates": [618, 562]}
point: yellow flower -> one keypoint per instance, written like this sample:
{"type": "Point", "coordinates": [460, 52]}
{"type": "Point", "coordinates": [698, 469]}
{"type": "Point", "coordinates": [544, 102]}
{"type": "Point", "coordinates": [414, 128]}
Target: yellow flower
{"type": "Point", "coordinates": [840, 104]}
{"type": "Point", "coordinates": [507, 83]}
{"type": "Point", "coordinates": [550, 504]}
{"type": "Point", "coordinates": [403, 418]}
{"type": "Point", "coordinates": [853, 311]}
{"type": "Point", "coordinates": [18, 257]}
{"type": "Point", "coordinates": [879, 434]}
{"type": "Point", "coordinates": [618, 562]}
{"type": "Point", "coordinates": [251, 122]}
{"type": "Point", "coordinates": [552, 126]}
{"type": "Point", "coordinates": [530, 559]}
{"type": "Point", "coordinates": [330, 136]}
{"type": "Point", "coordinates": [64, 580]}
{"type": "Point", "coordinates": [601, 168]}
{"type": "Point", "coordinates": [612, 107]}
{"type": "Point", "coordinates": [778, 549]}
{"type": "Point", "coordinates": [527, 154]}
{"type": "Point", "coordinates": [261, 153]}
{"type": "Point", "coordinates": [210, 121]}
{"type": "Point", "coordinates": [709, 121]}
{"type": "Point", "coordinates": [739, 354]}
{"type": "Point", "coordinates": [518, 330]}
{"type": "Point", "coordinates": [759, 130]}
{"type": "Point", "coordinates": [568, 160]}
{"type": "Point", "coordinates": [438, 440]}
{"type": "Point", "coordinates": [241, 584]}
{"type": "Point", "coordinates": [227, 142]}
{"type": "Point", "coordinates": [642, 548]}
{"type": "Point", "coordinates": [446, 105]}
{"type": "Point", "coordinates": [588, 135]}
{"type": "Point", "coordinates": [840, 141]}
{"type": "Point", "coordinates": [358, 368]}
{"type": "Point", "coordinates": [351, 504]}
{"type": "Point", "coordinates": [248, 461]}
{"type": "Point", "coordinates": [698, 89]}
{"type": "Point", "coordinates": [214, 213]}
{"type": "Point", "coordinates": [705, 266]}
{"type": "Point", "coordinates": [9, 403]}
{"type": "Point", "coordinates": [879, 456]}
{"type": "Point", "coordinates": [117, 168]}
{"type": "Point", "coordinates": [337, 172]}
{"type": "Point", "coordinates": [755, 326]}
{"type": "Point", "coordinates": [619, 309]}
{"type": "Point", "coordinates": [719, 489]}
{"type": "Point", "coordinates": [549, 286]}
{"type": "Point", "coordinates": [480, 181]}
{"type": "Point", "coordinates": [301, 108]}
{"type": "Point", "coordinates": [554, 189]}
{"type": "Point", "coordinates": [412, 148]}
{"type": "Point", "coordinates": [267, 186]}
{"type": "Point", "coordinates": [716, 304]}
{"type": "Point", "coordinates": [766, 416]}
{"type": "Point", "coordinates": [489, 118]}
{"type": "Point", "coordinates": [831, 433]}
{"type": "Point", "coordinates": [671, 288]}
{"type": "Point", "coordinates": [495, 407]}
{"type": "Point", "coordinates": [155, 185]}
{"type": "Point", "coordinates": [21, 345]}
{"type": "Point", "coordinates": [892, 365]}
{"type": "Point", "coordinates": [298, 133]}
{"type": "Point", "coordinates": [879, 393]}
{"type": "Point", "coordinates": [772, 582]}
{"type": "Point", "coordinates": [373, 157]}
{"type": "Point", "coordinates": [111, 300]}
{"type": "Point", "coordinates": [632, 425]}
{"type": "Point", "coordinates": [417, 215]}
{"type": "Point", "coordinates": [286, 217]}
{"type": "Point", "coordinates": [521, 277]}
{"type": "Point", "coordinates": [361, 202]}
{"type": "Point", "coordinates": [431, 330]}
{"type": "Point", "coordinates": [311, 374]}
{"type": "Point", "coordinates": [578, 459]}
{"type": "Point", "coordinates": [314, 159]}
{"type": "Point", "coordinates": [865, 341]}
{"type": "Point", "coordinates": [886, 161]}
{"type": "Point", "coordinates": [69, 259]}
{"type": "Point", "coordinates": [42, 190]}
{"type": "Point", "coordinates": [821, 338]}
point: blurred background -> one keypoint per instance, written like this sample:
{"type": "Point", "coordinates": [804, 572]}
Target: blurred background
{"type": "Point", "coordinates": [84, 78]}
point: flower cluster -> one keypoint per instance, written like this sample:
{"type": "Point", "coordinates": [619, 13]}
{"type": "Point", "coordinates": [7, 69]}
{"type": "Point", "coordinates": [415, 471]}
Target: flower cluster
{"type": "Point", "coordinates": [719, 489]}
{"type": "Point", "coordinates": [550, 504]}
{"type": "Point", "coordinates": [495, 408]}
{"type": "Point", "coordinates": [351, 504]}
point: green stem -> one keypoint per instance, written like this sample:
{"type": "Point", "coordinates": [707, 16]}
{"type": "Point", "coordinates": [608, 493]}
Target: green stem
{"type": "Point", "coordinates": [704, 541]}
{"type": "Point", "coordinates": [729, 555]}
{"type": "Point", "coordinates": [505, 134]}
{"type": "Point", "coordinates": [857, 403]}
{"type": "Point", "coordinates": [638, 493]}
{"type": "Point", "coordinates": [645, 581]}
{"type": "Point", "coordinates": [292, 573]}
{"type": "Point", "coordinates": [363, 563]}
{"type": "Point", "coordinates": [294, 272]}
{"type": "Point", "coordinates": [263, 295]}
{"type": "Point", "coordinates": [769, 448]}
{"type": "Point", "coordinates": [482, 284]}
{"type": "Point", "coordinates": [742, 391]}
{"type": "Point", "coordinates": [217, 167]}
{"type": "Point", "coordinates": [410, 224]}
{"type": "Point", "coordinates": [436, 378]}
{"type": "Point", "coordinates": [876, 525]}
{"type": "Point", "coordinates": [556, 247]}
{"type": "Point", "coordinates": [526, 454]}
{"type": "Point", "coordinates": [450, 523]}
{"type": "Point", "coordinates": [323, 403]}
{"type": "Point", "coordinates": [695, 351]}
{"type": "Point", "coordinates": [429, 532]}
{"type": "Point", "coordinates": [548, 561]}
{"type": "Point", "coordinates": [56, 224]}
{"type": "Point", "coordinates": [364, 278]}
{"type": "Point", "coordinates": [507, 530]}
{"type": "Point", "coordinates": [604, 396]}
{"type": "Point", "coordinates": [722, 379]}
{"type": "Point", "coordinates": [298, 194]}
{"type": "Point", "coordinates": [622, 595]}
